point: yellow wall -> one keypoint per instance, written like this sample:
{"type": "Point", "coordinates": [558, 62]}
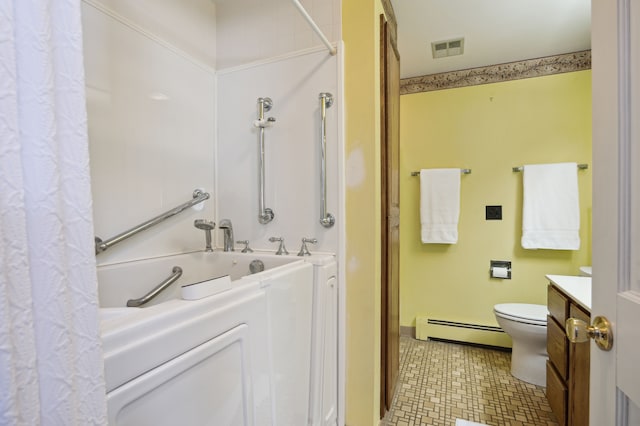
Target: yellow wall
{"type": "Point", "coordinates": [362, 152]}
{"type": "Point", "coordinates": [489, 128]}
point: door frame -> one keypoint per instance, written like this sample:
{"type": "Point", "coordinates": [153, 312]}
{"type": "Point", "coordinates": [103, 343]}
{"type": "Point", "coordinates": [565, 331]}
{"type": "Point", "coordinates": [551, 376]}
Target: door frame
{"type": "Point", "coordinates": [389, 316]}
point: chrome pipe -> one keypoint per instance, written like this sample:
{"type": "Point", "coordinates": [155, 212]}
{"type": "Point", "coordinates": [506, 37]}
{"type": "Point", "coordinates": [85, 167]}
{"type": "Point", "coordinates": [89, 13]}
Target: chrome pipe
{"type": "Point", "coordinates": [265, 214]}
{"type": "Point", "coordinates": [326, 219]}
{"type": "Point", "coordinates": [175, 274]}
{"type": "Point", "coordinates": [198, 197]}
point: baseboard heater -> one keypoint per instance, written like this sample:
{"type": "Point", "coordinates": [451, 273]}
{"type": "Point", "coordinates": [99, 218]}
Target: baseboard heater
{"type": "Point", "coordinates": [434, 328]}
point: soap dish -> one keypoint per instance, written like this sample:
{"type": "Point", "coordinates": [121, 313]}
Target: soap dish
{"type": "Point", "coordinates": [207, 288]}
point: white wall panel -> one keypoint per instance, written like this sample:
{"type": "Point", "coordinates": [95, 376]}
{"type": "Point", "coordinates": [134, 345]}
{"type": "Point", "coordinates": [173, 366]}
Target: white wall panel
{"type": "Point", "coordinates": [254, 30]}
{"type": "Point", "coordinates": [151, 135]}
{"type": "Point", "coordinates": [292, 186]}
{"type": "Point", "coordinates": [189, 25]}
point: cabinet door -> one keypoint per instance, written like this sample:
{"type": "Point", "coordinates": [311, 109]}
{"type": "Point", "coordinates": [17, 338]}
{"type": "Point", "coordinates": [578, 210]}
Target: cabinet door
{"type": "Point", "coordinates": [557, 347]}
{"type": "Point", "coordinates": [579, 375]}
{"type": "Point", "coordinates": [556, 394]}
{"type": "Point", "coordinates": [557, 304]}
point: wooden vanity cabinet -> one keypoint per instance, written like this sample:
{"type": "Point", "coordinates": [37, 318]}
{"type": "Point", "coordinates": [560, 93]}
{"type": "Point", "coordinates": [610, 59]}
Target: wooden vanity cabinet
{"type": "Point", "coordinates": [568, 364]}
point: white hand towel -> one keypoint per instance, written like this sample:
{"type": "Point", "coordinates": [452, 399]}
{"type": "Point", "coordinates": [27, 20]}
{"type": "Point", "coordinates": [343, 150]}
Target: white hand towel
{"type": "Point", "coordinates": [439, 205]}
{"type": "Point", "coordinates": [551, 210]}
{"type": "Point", "coordinates": [460, 422]}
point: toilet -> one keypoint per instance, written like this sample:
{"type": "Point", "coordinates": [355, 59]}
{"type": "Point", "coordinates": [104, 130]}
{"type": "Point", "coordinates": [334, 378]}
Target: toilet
{"type": "Point", "coordinates": [526, 324]}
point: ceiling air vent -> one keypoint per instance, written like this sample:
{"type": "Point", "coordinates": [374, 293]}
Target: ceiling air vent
{"type": "Point", "coordinates": [441, 49]}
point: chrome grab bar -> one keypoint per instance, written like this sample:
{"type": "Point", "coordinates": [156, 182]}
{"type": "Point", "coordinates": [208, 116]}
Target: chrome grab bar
{"type": "Point", "coordinates": [327, 220]}
{"type": "Point", "coordinates": [176, 273]}
{"type": "Point", "coordinates": [198, 197]}
{"type": "Point", "coordinates": [265, 215]}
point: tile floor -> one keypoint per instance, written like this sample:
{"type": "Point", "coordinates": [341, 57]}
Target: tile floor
{"type": "Point", "coordinates": [440, 382]}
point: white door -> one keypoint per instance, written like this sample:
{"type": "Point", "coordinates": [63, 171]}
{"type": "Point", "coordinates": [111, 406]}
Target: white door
{"type": "Point", "coordinates": [615, 375]}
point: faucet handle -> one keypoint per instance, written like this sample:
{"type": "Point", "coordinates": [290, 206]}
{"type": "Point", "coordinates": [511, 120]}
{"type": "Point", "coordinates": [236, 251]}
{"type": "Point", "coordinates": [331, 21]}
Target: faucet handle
{"type": "Point", "coordinates": [281, 248]}
{"type": "Point", "coordinates": [304, 251]}
{"type": "Point", "coordinates": [246, 248]}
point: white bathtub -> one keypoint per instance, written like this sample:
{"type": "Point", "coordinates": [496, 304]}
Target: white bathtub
{"type": "Point", "coordinates": [130, 280]}
{"type": "Point", "coordinates": [240, 357]}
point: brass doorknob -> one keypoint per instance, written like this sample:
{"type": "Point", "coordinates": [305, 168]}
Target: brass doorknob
{"type": "Point", "coordinates": [579, 331]}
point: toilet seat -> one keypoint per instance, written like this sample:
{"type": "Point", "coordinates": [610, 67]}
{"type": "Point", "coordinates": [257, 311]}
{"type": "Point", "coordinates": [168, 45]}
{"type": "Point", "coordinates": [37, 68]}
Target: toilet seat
{"type": "Point", "coordinates": [522, 312]}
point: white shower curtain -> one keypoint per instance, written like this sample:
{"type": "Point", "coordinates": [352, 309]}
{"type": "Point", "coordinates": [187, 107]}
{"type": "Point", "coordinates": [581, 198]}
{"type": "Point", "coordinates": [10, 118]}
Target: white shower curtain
{"type": "Point", "coordinates": [51, 370]}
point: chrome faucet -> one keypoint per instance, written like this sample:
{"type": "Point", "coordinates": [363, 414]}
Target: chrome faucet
{"type": "Point", "coordinates": [304, 250]}
{"type": "Point", "coordinates": [225, 225]}
{"type": "Point", "coordinates": [246, 248]}
{"type": "Point", "coordinates": [281, 248]}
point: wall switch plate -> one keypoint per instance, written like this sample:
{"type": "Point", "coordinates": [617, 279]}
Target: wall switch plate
{"type": "Point", "coordinates": [493, 212]}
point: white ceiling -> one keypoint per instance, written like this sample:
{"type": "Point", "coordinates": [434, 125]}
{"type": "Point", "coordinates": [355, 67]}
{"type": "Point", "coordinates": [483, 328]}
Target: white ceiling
{"type": "Point", "coordinates": [494, 31]}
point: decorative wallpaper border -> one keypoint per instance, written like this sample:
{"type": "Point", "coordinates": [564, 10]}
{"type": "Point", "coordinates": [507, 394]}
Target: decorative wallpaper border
{"type": "Point", "coordinates": [569, 62]}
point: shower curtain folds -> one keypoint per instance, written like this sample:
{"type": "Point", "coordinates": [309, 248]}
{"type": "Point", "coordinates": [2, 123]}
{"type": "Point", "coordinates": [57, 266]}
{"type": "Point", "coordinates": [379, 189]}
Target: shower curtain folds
{"type": "Point", "coordinates": [51, 369]}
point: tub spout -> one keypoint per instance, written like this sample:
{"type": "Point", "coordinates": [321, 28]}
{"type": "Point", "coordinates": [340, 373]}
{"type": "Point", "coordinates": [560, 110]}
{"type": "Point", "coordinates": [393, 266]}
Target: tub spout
{"type": "Point", "coordinates": [227, 227]}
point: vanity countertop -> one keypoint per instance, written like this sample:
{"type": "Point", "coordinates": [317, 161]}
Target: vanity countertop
{"type": "Point", "coordinates": [578, 288]}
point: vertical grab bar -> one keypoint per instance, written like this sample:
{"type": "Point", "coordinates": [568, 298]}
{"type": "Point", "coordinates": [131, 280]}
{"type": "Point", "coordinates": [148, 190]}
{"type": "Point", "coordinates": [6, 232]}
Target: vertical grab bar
{"type": "Point", "coordinates": [265, 215]}
{"type": "Point", "coordinates": [326, 219]}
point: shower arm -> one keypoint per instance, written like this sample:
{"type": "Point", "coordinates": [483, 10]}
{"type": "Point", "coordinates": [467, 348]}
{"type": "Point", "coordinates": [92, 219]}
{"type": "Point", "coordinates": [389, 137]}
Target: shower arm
{"type": "Point", "coordinates": [265, 214]}
{"type": "Point", "coordinates": [326, 219]}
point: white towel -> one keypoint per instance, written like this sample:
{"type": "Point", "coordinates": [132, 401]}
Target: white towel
{"type": "Point", "coordinates": [439, 205]}
{"type": "Point", "coordinates": [551, 210]}
{"type": "Point", "coordinates": [461, 422]}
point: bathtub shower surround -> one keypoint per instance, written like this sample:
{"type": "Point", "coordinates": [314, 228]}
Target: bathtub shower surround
{"type": "Point", "coordinates": [293, 148]}
{"type": "Point", "coordinates": [149, 127]}
{"type": "Point", "coordinates": [166, 134]}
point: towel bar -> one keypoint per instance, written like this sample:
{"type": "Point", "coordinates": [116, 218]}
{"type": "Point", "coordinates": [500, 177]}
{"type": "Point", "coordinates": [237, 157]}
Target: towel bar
{"type": "Point", "coordinates": [463, 171]}
{"type": "Point", "coordinates": [521, 168]}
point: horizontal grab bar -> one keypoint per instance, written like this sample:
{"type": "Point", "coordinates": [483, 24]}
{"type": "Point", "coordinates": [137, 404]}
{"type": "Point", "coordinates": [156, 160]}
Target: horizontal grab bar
{"type": "Point", "coordinates": [521, 168]}
{"type": "Point", "coordinates": [198, 197]}
{"type": "Point", "coordinates": [176, 273]}
{"type": "Point", "coordinates": [463, 171]}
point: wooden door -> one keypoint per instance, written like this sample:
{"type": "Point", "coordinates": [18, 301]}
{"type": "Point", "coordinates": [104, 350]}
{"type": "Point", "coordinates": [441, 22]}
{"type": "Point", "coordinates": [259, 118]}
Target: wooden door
{"type": "Point", "coordinates": [390, 262]}
{"type": "Point", "coordinates": [615, 375]}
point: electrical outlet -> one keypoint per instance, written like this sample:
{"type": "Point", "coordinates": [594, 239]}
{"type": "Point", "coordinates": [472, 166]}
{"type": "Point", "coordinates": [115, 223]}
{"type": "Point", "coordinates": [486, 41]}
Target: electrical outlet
{"type": "Point", "coordinates": [493, 212]}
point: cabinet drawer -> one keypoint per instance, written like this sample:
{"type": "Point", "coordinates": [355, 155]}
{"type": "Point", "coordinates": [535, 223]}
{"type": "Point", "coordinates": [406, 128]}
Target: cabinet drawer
{"type": "Point", "coordinates": [558, 305]}
{"type": "Point", "coordinates": [557, 347]}
{"type": "Point", "coordinates": [556, 394]}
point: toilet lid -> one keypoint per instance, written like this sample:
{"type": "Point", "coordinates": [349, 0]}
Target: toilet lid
{"type": "Point", "coordinates": [524, 312]}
